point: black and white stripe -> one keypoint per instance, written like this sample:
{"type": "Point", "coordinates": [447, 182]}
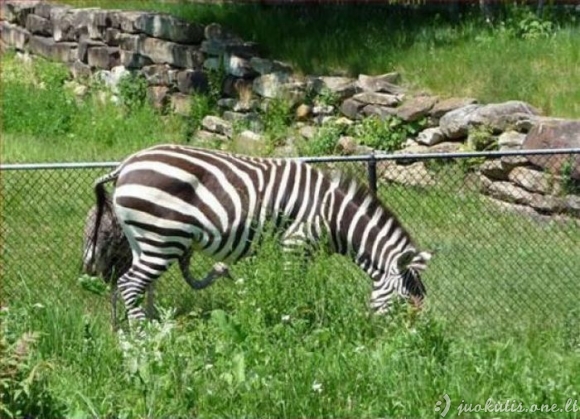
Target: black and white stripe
{"type": "Point", "coordinates": [170, 199]}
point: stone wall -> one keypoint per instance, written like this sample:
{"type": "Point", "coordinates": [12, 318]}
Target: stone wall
{"type": "Point", "coordinates": [176, 58]}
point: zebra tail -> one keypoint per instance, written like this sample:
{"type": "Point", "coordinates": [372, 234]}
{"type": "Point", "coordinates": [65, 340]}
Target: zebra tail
{"type": "Point", "coordinates": [103, 204]}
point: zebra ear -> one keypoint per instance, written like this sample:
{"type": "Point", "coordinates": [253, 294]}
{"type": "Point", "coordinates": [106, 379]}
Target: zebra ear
{"type": "Point", "coordinates": [413, 259]}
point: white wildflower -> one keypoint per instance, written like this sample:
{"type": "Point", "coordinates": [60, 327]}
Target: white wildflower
{"type": "Point", "coordinates": [317, 387]}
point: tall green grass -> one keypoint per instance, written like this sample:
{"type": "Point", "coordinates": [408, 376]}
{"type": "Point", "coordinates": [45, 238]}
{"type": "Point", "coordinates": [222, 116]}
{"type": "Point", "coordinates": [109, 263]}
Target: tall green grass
{"type": "Point", "coordinates": [300, 342]}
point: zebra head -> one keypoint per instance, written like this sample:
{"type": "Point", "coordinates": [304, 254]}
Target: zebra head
{"type": "Point", "coordinates": [401, 279]}
{"type": "Point", "coordinates": [109, 256]}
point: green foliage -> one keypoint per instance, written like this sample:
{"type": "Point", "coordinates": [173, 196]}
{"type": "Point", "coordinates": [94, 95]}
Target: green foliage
{"type": "Point", "coordinates": [200, 106]}
{"type": "Point", "coordinates": [133, 91]}
{"type": "Point", "coordinates": [37, 104]}
{"type": "Point", "coordinates": [24, 386]}
{"type": "Point", "coordinates": [326, 97]}
{"type": "Point", "coordinates": [276, 118]}
{"type": "Point", "coordinates": [388, 134]}
{"type": "Point", "coordinates": [523, 22]}
{"type": "Point", "coordinates": [481, 138]}
{"type": "Point", "coordinates": [325, 141]}
{"type": "Point", "coordinates": [569, 184]}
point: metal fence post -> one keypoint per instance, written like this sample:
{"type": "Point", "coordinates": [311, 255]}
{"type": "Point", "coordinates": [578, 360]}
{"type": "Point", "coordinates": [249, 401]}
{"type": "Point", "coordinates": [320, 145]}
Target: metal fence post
{"type": "Point", "coordinates": [372, 172]}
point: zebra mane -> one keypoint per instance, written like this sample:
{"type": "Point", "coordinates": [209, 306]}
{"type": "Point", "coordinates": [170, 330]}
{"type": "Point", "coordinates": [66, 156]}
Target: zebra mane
{"type": "Point", "coordinates": [344, 182]}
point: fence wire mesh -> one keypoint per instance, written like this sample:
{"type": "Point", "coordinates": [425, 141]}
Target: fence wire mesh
{"type": "Point", "coordinates": [505, 232]}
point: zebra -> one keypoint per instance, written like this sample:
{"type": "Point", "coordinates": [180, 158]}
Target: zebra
{"type": "Point", "coordinates": [110, 256]}
{"type": "Point", "coordinates": [171, 198]}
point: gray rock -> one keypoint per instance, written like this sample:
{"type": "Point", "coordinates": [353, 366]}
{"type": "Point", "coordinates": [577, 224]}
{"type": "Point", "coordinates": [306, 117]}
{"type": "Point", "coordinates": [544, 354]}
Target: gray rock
{"type": "Point", "coordinates": [112, 78]}
{"type": "Point", "coordinates": [322, 110]}
{"type": "Point", "coordinates": [251, 120]}
{"type": "Point", "coordinates": [160, 74]}
{"type": "Point", "coordinates": [192, 81]}
{"type": "Point", "coordinates": [350, 108]}
{"type": "Point", "coordinates": [158, 96]}
{"type": "Point", "coordinates": [112, 36]}
{"type": "Point", "coordinates": [103, 57]}
{"type": "Point", "coordinates": [80, 70]}
{"type": "Point", "coordinates": [415, 174]}
{"type": "Point", "coordinates": [383, 83]}
{"type": "Point", "coordinates": [494, 169]}
{"type": "Point", "coordinates": [167, 52]}
{"type": "Point", "coordinates": [59, 51]}
{"type": "Point", "coordinates": [502, 116]}
{"type": "Point", "coordinates": [17, 11]}
{"type": "Point", "coordinates": [531, 180]}
{"type": "Point", "coordinates": [347, 145]}
{"type": "Point", "coordinates": [134, 60]}
{"type": "Point", "coordinates": [308, 131]}
{"type": "Point", "coordinates": [70, 25]}
{"type": "Point", "coordinates": [167, 27]}
{"type": "Point", "coordinates": [129, 42]}
{"type": "Point", "coordinates": [341, 87]}
{"type": "Point", "coordinates": [509, 162]}
{"type": "Point", "coordinates": [416, 108]}
{"type": "Point", "coordinates": [554, 135]}
{"type": "Point", "coordinates": [382, 112]}
{"type": "Point", "coordinates": [455, 124]}
{"type": "Point", "coordinates": [272, 85]}
{"type": "Point", "coordinates": [239, 66]}
{"type": "Point", "coordinates": [14, 35]}
{"type": "Point", "coordinates": [84, 46]}
{"type": "Point", "coordinates": [217, 125]}
{"type": "Point", "coordinates": [509, 192]}
{"type": "Point", "coordinates": [180, 103]}
{"type": "Point", "coordinates": [510, 140]}
{"type": "Point", "coordinates": [450, 104]}
{"type": "Point", "coordinates": [208, 137]}
{"type": "Point", "coordinates": [431, 136]}
{"type": "Point", "coordinates": [38, 25]}
{"type": "Point", "coordinates": [249, 142]}
{"type": "Point", "coordinates": [572, 205]}
{"type": "Point", "coordinates": [266, 66]}
{"type": "Point", "coordinates": [227, 103]}
{"type": "Point", "coordinates": [376, 98]}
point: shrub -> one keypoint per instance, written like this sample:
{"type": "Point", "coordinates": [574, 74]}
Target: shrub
{"type": "Point", "coordinates": [387, 134]}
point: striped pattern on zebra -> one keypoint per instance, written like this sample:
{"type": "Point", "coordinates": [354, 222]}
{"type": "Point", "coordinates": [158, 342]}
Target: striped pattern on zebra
{"type": "Point", "coordinates": [171, 198]}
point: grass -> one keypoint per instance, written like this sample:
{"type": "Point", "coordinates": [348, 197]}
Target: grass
{"type": "Point", "coordinates": [300, 343]}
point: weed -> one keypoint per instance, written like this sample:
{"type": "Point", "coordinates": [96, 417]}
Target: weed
{"type": "Point", "coordinates": [569, 184]}
{"type": "Point", "coordinates": [133, 91]}
{"type": "Point", "coordinates": [325, 141]}
{"type": "Point", "coordinates": [200, 106]}
{"type": "Point", "coordinates": [388, 134]}
{"type": "Point", "coordinates": [276, 119]}
{"type": "Point", "coordinates": [24, 388]}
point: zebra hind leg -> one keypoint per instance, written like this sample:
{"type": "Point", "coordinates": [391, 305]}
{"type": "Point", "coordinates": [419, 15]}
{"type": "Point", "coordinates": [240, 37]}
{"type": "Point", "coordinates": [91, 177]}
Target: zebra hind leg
{"type": "Point", "coordinates": [219, 270]}
{"type": "Point", "coordinates": [136, 280]}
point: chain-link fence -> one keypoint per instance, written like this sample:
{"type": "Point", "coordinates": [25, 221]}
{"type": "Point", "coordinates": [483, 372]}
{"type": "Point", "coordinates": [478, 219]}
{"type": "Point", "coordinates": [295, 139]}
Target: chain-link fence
{"type": "Point", "coordinates": [505, 229]}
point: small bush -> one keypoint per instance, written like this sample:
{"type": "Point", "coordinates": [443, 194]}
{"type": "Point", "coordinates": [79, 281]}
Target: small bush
{"type": "Point", "coordinates": [133, 91]}
{"type": "Point", "coordinates": [387, 134]}
{"type": "Point", "coordinates": [277, 118]}
{"type": "Point", "coordinates": [325, 140]}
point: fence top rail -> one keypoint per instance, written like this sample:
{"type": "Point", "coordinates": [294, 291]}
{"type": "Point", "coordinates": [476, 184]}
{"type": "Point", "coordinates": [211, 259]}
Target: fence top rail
{"type": "Point", "coordinates": [321, 159]}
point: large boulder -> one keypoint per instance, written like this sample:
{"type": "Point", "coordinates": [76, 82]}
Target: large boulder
{"type": "Point", "coordinates": [167, 27]}
{"type": "Point", "coordinates": [554, 135]}
{"type": "Point", "coordinates": [498, 117]}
